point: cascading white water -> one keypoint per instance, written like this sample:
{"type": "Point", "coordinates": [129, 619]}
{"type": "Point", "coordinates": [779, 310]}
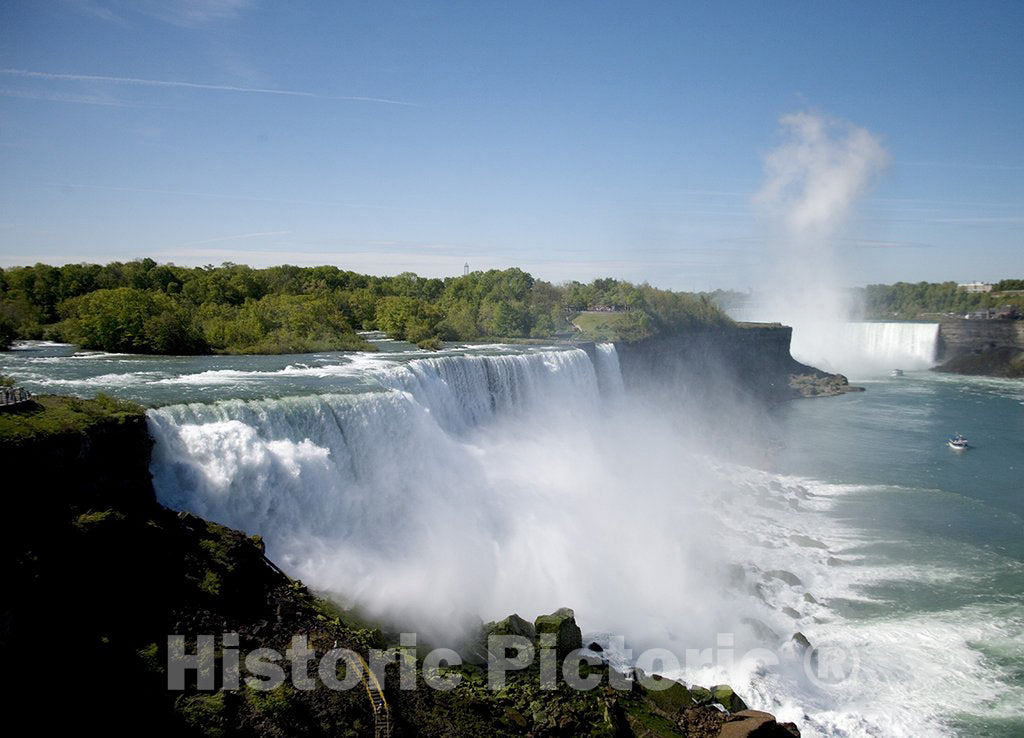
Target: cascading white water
{"type": "Point", "coordinates": [609, 376]}
{"type": "Point", "coordinates": [475, 486]}
{"type": "Point", "coordinates": [867, 347]}
{"type": "Point", "coordinates": [470, 487]}
{"type": "Point", "coordinates": [464, 391]}
{"type": "Point", "coordinates": [392, 498]}
{"type": "Point", "coordinates": [912, 344]}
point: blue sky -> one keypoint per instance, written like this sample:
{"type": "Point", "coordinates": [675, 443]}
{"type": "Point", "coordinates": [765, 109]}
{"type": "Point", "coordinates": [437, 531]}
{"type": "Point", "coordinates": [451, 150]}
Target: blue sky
{"type": "Point", "coordinates": [571, 139]}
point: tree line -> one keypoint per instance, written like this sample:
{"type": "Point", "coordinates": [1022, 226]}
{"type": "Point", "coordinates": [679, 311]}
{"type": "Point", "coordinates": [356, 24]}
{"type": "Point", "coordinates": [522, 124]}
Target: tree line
{"type": "Point", "coordinates": [145, 307]}
{"type": "Point", "coordinates": [907, 300]}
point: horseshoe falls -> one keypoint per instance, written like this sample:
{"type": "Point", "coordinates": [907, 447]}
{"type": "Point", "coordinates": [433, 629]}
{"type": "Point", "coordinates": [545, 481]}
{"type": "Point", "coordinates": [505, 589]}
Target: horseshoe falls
{"type": "Point", "coordinates": [866, 348]}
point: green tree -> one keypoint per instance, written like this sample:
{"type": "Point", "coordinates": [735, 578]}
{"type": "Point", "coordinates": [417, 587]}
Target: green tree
{"type": "Point", "coordinates": [8, 332]}
{"type": "Point", "coordinates": [406, 318]}
{"type": "Point", "coordinates": [127, 319]}
{"type": "Point", "coordinates": [1006, 285]}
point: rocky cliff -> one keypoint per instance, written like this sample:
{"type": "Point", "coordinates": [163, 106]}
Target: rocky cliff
{"type": "Point", "coordinates": [983, 347]}
{"type": "Point", "coordinates": [751, 359]}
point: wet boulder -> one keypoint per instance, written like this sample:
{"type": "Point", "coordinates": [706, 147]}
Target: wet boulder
{"type": "Point", "coordinates": [562, 623]}
{"type": "Point", "coordinates": [512, 625]}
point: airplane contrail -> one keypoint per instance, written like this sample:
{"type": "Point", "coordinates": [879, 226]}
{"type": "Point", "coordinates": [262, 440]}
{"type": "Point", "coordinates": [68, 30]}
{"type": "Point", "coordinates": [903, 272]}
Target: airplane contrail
{"type": "Point", "coordinates": [27, 73]}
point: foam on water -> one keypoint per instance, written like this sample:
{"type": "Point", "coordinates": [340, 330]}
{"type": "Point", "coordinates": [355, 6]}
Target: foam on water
{"type": "Point", "coordinates": [102, 381]}
{"type": "Point", "coordinates": [907, 674]}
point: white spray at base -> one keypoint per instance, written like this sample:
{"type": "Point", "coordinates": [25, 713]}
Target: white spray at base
{"type": "Point", "coordinates": [475, 486]}
{"type": "Point", "coordinates": [865, 348]}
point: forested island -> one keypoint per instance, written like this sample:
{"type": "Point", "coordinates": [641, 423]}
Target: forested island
{"type": "Point", "coordinates": [145, 307]}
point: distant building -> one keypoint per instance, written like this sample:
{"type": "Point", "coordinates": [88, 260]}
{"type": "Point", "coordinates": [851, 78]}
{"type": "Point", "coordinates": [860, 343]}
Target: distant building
{"type": "Point", "coordinates": [975, 287]}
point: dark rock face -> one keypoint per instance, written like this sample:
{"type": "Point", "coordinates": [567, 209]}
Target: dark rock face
{"type": "Point", "coordinates": [512, 625]}
{"type": "Point", "coordinates": [85, 459]}
{"type": "Point", "coordinates": [993, 348]}
{"type": "Point", "coordinates": [750, 360]}
{"type": "Point", "coordinates": [1000, 361]}
{"type": "Point", "coordinates": [562, 623]}
{"type": "Point", "coordinates": [958, 336]}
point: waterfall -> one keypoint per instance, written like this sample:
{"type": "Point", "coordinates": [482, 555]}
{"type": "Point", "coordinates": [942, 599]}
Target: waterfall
{"type": "Point", "coordinates": [398, 497]}
{"type": "Point", "coordinates": [908, 344]}
{"type": "Point", "coordinates": [453, 489]}
{"type": "Point", "coordinates": [609, 375]}
{"type": "Point", "coordinates": [464, 391]}
{"type": "Point", "coordinates": [866, 347]}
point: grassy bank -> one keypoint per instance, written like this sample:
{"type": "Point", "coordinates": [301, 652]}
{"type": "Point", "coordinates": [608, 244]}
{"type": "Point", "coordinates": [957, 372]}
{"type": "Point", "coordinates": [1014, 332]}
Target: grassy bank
{"type": "Point", "coordinates": [49, 415]}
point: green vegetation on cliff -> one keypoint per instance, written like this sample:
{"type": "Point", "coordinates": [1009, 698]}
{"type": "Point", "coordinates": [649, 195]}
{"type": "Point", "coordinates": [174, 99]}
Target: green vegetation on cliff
{"type": "Point", "coordinates": [145, 307]}
{"type": "Point", "coordinates": [662, 312]}
{"type": "Point", "coordinates": [607, 326]}
{"type": "Point", "coordinates": [50, 415]}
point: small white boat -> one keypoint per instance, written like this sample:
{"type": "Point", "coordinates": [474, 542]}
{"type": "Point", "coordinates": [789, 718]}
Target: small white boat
{"type": "Point", "coordinates": [957, 443]}
{"type": "Point", "coordinates": [897, 373]}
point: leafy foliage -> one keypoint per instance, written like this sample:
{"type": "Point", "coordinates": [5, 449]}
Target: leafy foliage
{"type": "Point", "coordinates": [907, 301]}
{"type": "Point", "coordinates": [132, 320]}
{"type": "Point", "coordinates": [145, 307]}
{"type": "Point", "coordinates": [8, 331]}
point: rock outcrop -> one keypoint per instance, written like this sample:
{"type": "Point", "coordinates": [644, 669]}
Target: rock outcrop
{"type": "Point", "coordinates": [748, 360]}
{"type": "Point", "coordinates": [512, 625]}
{"type": "Point", "coordinates": [756, 724]}
{"type": "Point", "coordinates": [993, 348]}
{"type": "Point", "coordinates": [561, 623]}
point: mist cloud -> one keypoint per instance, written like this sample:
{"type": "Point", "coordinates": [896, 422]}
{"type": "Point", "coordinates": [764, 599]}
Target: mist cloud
{"type": "Point", "coordinates": [816, 175]}
{"type": "Point", "coordinates": [812, 182]}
